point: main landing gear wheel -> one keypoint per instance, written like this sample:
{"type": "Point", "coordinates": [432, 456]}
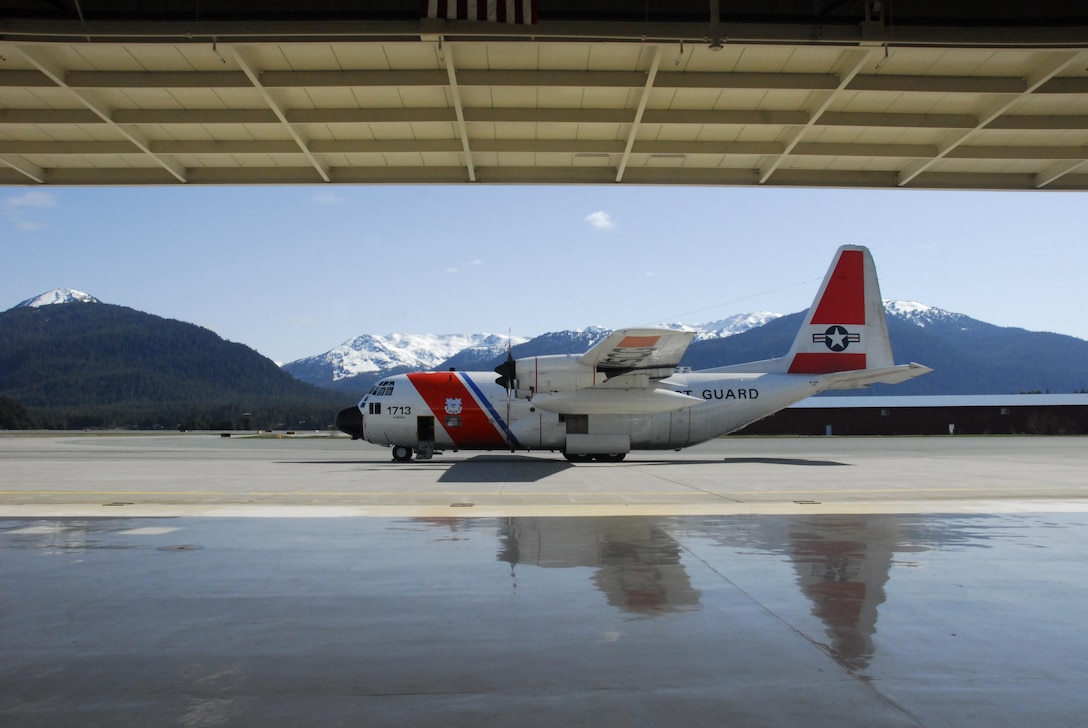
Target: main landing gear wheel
{"type": "Point", "coordinates": [402, 454]}
{"type": "Point", "coordinates": [615, 458]}
{"type": "Point", "coordinates": [602, 458]}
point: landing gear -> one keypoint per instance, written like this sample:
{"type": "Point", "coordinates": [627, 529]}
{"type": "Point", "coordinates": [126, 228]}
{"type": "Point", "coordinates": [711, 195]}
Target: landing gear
{"type": "Point", "coordinates": [601, 458]}
{"type": "Point", "coordinates": [401, 453]}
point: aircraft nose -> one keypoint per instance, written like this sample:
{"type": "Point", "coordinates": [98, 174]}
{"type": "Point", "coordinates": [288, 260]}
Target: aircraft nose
{"type": "Point", "coordinates": [350, 421]}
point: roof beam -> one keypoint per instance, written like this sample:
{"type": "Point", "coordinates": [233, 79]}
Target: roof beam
{"type": "Point", "coordinates": [850, 64]}
{"type": "Point", "coordinates": [1038, 122]}
{"type": "Point", "coordinates": [1073, 154]}
{"type": "Point", "coordinates": [239, 56]}
{"type": "Point", "coordinates": [346, 79]}
{"type": "Point", "coordinates": [913, 83]}
{"type": "Point", "coordinates": [37, 57]}
{"type": "Point", "coordinates": [236, 146]}
{"type": "Point", "coordinates": [632, 133]}
{"type": "Point", "coordinates": [80, 147]}
{"type": "Point", "coordinates": [396, 115]}
{"type": "Point", "coordinates": [446, 59]}
{"type": "Point", "coordinates": [854, 149]}
{"type": "Point", "coordinates": [742, 117]}
{"type": "Point", "coordinates": [25, 79]}
{"type": "Point", "coordinates": [550, 115]}
{"type": "Point", "coordinates": [400, 115]}
{"type": "Point", "coordinates": [385, 146]}
{"type": "Point", "coordinates": [1056, 171]}
{"type": "Point", "coordinates": [692, 148]}
{"type": "Point", "coordinates": [1047, 66]}
{"type": "Point", "coordinates": [938, 84]}
{"type": "Point", "coordinates": [31, 171]}
{"type": "Point", "coordinates": [738, 80]}
{"type": "Point", "coordinates": [901, 121]}
{"type": "Point", "coordinates": [156, 79]}
{"type": "Point", "coordinates": [979, 151]}
{"type": "Point", "coordinates": [51, 116]}
{"type": "Point", "coordinates": [195, 116]}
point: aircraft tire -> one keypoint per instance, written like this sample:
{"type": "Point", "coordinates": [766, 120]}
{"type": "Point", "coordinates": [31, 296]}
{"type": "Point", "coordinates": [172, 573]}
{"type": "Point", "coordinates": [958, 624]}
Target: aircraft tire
{"type": "Point", "coordinates": [614, 458]}
{"type": "Point", "coordinates": [401, 453]}
{"type": "Point", "coordinates": [571, 457]}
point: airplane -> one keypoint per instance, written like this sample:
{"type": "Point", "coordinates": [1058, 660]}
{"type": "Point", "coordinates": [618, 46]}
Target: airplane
{"type": "Point", "coordinates": [628, 392]}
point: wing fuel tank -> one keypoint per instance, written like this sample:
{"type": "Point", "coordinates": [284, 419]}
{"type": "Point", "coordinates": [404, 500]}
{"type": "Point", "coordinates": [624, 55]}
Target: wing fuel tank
{"type": "Point", "coordinates": [613, 401]}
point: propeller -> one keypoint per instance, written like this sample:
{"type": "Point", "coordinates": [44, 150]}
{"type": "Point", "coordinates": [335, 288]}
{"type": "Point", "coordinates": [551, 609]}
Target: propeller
{"type": "Point", "coordinates": [507, 372]}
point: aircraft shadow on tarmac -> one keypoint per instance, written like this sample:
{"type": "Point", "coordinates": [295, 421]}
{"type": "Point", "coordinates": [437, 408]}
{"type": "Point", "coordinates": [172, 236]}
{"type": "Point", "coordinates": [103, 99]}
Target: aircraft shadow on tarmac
{"type": "Point", "coordinates": [502, 469]}
{"type": "Point", "coordinates": [529, 469]}
{"type": "Point", "coordinates": [477, 469]}
{"type": "Point", "coordinates": [784, 461]}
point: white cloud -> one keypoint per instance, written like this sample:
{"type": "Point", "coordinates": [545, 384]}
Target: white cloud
{"type": "Point", "coordinates": [327, 198]}
{"type": "Point", "coordinates": [601, 220]}
{"type": "Point", "coordinates": [463, 264]}
{"type": "Point", "coordinates": [35, 199]}
{"type": "Point", "coordinates": [20, 209]}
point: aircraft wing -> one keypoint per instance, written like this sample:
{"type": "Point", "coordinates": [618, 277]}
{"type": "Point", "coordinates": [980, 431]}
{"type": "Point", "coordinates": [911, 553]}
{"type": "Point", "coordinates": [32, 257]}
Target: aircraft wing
{"type": "Point", "coordinates": [652, 352]}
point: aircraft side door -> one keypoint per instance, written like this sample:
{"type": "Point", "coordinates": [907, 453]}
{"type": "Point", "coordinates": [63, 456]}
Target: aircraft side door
{"type": "Point", "coordinates": [680, 426]}
{"type": "Point", "coordinates": [425, 436]}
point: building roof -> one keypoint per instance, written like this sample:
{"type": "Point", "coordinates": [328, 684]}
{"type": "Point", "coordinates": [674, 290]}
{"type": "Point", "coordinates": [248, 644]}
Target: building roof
{"type": "Point", "coordinates": [942, 95]}
{"type": "Point", "coordinates": [980, 400]}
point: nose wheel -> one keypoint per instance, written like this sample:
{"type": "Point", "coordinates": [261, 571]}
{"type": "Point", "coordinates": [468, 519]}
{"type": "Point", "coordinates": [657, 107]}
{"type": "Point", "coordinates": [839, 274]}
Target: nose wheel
{"type": "Point", "coordinates": [402, 454]}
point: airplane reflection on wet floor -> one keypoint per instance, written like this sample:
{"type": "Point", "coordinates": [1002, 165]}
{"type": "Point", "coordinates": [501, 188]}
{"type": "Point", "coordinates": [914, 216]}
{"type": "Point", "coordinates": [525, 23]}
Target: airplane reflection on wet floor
{"type": "Point", "coordinates": [845, 620]}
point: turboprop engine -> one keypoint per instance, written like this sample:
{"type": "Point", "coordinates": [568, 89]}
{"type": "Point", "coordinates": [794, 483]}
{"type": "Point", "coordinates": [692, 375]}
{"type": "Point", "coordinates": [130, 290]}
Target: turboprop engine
{"type": "Point", "coordinates": [553, 373]}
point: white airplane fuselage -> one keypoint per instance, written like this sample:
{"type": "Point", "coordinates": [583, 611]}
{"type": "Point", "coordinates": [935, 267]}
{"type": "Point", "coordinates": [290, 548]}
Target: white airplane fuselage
{"type": "Point", "coordinates": [469, 411]}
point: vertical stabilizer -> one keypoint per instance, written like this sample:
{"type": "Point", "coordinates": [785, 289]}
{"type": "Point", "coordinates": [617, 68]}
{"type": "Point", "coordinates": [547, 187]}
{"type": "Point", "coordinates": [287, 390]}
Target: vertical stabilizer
{"type": "Point", "coordinates": [845, 329]}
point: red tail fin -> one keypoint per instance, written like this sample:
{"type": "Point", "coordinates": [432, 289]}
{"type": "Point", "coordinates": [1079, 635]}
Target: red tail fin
{"type": "Point", "coordinates": [845, 328]}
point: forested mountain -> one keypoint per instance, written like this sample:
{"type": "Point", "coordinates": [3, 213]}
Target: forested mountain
{"type": "Point", "coordinates": [968, 356]}
{"type": "Point", "coordinates": [91, 364]}
{"type": "Point", "coordinates": [69, 361]}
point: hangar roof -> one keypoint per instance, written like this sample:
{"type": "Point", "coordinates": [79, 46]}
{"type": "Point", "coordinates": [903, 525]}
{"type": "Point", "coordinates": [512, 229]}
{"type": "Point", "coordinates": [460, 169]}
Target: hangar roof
{"type": "Point", "coordinates": [835, 93]}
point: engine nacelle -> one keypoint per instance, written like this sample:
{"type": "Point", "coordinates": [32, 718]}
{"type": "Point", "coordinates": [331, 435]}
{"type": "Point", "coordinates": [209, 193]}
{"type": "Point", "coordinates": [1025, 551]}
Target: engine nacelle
{"type": "Point", "coordinates": [554, 373]}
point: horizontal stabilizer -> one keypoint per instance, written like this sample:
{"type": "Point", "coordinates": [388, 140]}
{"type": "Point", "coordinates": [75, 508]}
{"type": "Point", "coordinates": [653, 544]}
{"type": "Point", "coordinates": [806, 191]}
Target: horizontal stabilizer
{"type": "Point", "coordinates": [865, 377]}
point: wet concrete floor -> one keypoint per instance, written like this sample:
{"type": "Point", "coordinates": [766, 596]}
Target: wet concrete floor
{"type": "Point", "coordinates": [771, 582]}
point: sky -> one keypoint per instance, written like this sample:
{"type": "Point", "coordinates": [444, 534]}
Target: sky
{"type": "Point", "coordinates": [295, 271]}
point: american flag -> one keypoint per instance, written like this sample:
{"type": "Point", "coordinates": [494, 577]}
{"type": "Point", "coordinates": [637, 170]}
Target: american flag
{"type": "Point", "coordinates": [515, 12]}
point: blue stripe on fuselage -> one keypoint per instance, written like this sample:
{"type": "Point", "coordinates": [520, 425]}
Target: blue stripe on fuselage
{"type": "Point", "coordinates": [487, 404]}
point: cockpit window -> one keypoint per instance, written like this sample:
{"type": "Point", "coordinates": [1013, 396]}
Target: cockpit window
{"type": "Point", "coordinates": [382, 389]}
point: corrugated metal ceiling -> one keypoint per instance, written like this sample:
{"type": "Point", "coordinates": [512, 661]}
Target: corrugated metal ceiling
{"type": "Point", "coordinates": [126, 100]}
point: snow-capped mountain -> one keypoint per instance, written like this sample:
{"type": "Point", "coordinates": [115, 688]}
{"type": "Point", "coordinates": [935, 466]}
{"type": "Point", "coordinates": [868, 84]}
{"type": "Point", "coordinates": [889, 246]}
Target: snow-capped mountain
{"type": "Point", "coordinates": [355, 364]}
{"type": "Point", "coordinates": [922, 315]}
{"type": "Point", "coordinates": [370, 353]}
{"type": "Point", "coordinates": [369, 356]}
{"type": "Point", "coordinates": [58, 295]}
{"type": "Point", "coordinates": [736, 324]}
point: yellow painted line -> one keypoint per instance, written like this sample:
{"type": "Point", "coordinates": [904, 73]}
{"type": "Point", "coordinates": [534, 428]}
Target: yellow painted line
{"type": "Point", "coordinates": [681, 490]}
{"type": "Point", "coordinates": [112, 492]}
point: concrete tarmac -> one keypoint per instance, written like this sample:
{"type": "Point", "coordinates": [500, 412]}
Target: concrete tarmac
{"type": "Point", "coordinates": [193, 580]}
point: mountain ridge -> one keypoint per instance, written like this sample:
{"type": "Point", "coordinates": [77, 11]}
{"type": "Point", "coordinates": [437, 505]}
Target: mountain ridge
{"type": "Point", "coordinates": [101, 365]}
{"type": "Point", "coordinates": [970, 356]}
